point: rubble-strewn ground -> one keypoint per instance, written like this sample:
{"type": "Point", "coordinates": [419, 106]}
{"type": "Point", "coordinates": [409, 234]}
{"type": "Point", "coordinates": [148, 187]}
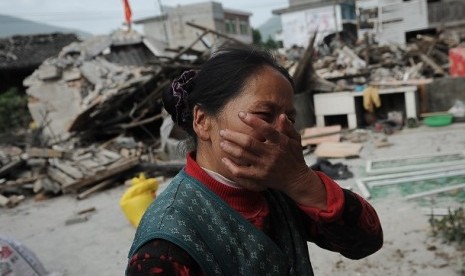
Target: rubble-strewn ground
{"type": "Point", "coordinates": [99, 246]}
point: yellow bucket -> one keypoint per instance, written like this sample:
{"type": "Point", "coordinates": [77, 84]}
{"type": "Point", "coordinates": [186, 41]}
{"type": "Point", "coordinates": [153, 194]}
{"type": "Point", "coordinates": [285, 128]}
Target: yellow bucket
{"type": "Point", "coordinates": [138, 197]}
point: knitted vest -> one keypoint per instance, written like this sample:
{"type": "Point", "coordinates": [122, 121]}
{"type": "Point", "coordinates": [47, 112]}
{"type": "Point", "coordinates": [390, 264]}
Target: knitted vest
{"type": "Point", "coordinates": [218, 238]}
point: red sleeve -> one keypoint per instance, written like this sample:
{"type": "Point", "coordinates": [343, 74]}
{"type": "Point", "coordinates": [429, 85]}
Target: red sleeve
{"type": "Point", "coordinates": [349, 226]}
{"type": "Point", "coordinates": [334, 199]}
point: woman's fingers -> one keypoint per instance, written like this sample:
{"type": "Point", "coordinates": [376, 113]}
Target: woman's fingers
{"type": "Point", "coordinates": [246, 141]}
{"type": "Point", "coordinates": [243, 155]}
{"type": "Point", "coordinates": [263, 131]}
{"type": "Point", "coordinates": [286, 127]}
{"type": "Point", "coordinates": [242, 172]}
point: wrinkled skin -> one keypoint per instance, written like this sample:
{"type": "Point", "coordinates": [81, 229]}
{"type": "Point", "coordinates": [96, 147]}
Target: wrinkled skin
{"type": "Point", "coordinates": [254, 143]}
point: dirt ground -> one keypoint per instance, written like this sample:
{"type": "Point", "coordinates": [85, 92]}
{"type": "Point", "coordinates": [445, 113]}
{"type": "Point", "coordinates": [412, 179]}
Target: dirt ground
{"type": "Point", "coordinates": [99, 245]}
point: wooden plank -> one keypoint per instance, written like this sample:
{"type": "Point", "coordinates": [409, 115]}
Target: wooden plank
{"type": "Point", "coordinates": [44, 153]}
{"type": "Point", "coordinates": [59, 176]}
{"type": "Point", "coordinates": [83, 156]}
{"type": "Point", "coordinates": [110, 154]}
{"type": "Point", "coordinates": [113, 170]}
{"type": "Point", "coordinates": [89, 164]}
{"type": "Point", "coordinates": [338, 150]}
{"type": "Point", "coordinates": [87, 210]}
{"type": "Point", "coordinates": [318, 135]}
{"type": "Point", "coordinates": [20, 182]}
{"type": "Point", "coordinates": [437, 69]}
{"type": "Point", "coordinates": [96, 188]}
{"type": "Point", "coordinates": [68, 169]}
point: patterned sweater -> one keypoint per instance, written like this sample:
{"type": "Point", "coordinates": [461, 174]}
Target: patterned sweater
{"type": "Point", "coordinates": [349, 226]}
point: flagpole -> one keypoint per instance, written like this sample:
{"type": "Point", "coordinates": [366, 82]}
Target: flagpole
{"type": "Point", "coordinates": [127, 13]}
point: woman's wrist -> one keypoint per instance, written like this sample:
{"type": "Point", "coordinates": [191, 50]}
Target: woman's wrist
{"type": "Point", "coordinates": [309, 190]}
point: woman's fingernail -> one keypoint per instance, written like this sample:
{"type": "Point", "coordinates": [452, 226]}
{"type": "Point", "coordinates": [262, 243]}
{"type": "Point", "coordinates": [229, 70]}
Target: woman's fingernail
{"type": "Point", "coordinates": [242, 114]}
{"type": "Point", "coordinates": [222, 132]}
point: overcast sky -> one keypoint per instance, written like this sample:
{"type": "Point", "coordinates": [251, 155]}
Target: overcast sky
{"type": "Point", "coordinates": [102, 16]}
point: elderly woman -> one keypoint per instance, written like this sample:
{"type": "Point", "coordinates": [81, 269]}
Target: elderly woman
{"type": "Point", "coordinates": [246, 203]}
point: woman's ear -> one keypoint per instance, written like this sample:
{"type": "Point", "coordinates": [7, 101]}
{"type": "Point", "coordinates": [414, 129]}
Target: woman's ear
{"type": "Point", "coordinates": [201, 123]}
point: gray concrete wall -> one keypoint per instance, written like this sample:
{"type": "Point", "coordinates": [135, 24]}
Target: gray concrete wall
{"type": "Point", "coordinates": [442, 93]}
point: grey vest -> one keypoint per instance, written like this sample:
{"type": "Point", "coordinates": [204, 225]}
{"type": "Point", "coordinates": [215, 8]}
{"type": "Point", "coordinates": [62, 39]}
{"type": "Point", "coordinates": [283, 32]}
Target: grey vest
{"type": "Point", "coordinates": [219, 239]}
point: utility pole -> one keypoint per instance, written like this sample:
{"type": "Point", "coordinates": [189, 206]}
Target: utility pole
{"type": "Point", "coordinates": [162, 12]}
{"type": "Point", "coordinates": [335, 4]}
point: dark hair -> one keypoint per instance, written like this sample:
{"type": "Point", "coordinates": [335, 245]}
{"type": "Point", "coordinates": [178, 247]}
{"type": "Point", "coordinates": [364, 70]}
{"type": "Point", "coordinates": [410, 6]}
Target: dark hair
{"type": "Point", "coordinates": [219, 80]}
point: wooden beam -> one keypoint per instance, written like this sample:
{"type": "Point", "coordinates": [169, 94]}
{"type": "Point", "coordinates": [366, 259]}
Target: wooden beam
{"type": "Point", "coordinates": [437, 69]}
{"type": "Point", "coordinates": [115, 169]}
{"type": "Point", "coordinates": [96, 188]}
{"type": "Point", "coordinates": [186, 49]}
{"type": "Point", "coordinates": [205, 29]}
{"type": "Point", "coordinates": [20, 182]}
{"type": "Point", "coordinates": [44, 152]}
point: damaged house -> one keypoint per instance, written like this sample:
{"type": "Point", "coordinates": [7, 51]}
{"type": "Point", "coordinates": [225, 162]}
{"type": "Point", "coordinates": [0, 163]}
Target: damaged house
{"type": "Point", "coordinates": [87, 86]}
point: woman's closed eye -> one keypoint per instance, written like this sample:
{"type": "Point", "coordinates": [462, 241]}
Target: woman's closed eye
{"type": "Point", "coordinates": [265, 116]}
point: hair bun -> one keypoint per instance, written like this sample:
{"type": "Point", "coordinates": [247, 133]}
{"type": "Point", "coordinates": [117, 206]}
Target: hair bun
{"type": "Point", "coordinates": [180, 89]}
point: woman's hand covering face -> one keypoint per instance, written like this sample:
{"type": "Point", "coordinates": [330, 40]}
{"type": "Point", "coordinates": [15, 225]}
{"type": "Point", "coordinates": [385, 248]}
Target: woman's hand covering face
{"type": "Point", "coordinates": [267, 157]}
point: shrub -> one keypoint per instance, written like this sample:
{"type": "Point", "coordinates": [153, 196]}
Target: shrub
{"type": "Point", "coordinates": [13, 111]}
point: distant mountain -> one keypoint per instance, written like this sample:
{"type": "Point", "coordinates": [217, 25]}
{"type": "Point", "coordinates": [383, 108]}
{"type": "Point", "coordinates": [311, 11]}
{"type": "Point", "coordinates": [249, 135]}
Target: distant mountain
{"type": "Point", "coordinates": [10, 25]}
{"type": "Point", "coordinates": [270, 27]}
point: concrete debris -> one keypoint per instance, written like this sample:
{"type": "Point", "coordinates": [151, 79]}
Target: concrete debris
{"type": "Point", "coordinates": [97, 113]}
{"type": "Point", "coordinates": [86, 89]}
{"type": "Point", "coordinates": [364, 63]}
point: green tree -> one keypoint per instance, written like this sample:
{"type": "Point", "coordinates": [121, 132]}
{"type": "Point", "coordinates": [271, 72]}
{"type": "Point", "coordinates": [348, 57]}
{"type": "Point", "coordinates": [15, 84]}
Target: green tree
{"type": "Point", "coordinates": [271, 44]}
{"type": "Point", "coordinates": [257, 37]}
{"type": "Point", "coordinates": [13, 110]}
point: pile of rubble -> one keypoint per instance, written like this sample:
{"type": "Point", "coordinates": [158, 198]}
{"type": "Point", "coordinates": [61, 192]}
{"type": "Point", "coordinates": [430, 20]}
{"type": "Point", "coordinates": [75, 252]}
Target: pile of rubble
{"type": "Point", "coordinates": [98, 117]}
{"type": "Point", "coordinates": [102, 86]}
{"type": "Point", "coordinates": [415, 63]}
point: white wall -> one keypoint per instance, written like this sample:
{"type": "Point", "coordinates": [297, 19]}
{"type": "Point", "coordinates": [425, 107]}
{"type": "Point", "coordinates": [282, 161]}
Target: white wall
{"type": "Point", "coordinates": [155, 30]}
{"type": "Point", "coordinates": [396, 17]}
{"type": "Point", "coordinates": [299, 26]}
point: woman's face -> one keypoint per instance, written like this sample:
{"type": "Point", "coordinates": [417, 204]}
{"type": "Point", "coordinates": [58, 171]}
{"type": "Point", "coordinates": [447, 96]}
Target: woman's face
{"type": "Point", "coordinates": [266, 95]}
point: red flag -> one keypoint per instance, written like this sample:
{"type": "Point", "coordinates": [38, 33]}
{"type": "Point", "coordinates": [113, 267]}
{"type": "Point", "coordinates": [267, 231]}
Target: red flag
{"type": "Point", "coordinates": [127, 11]}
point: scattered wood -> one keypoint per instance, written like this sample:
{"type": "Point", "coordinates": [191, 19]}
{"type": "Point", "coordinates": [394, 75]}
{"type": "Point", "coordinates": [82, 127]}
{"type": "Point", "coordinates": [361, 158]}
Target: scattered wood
{"type": "Point", "coordinates": [87, 210]}
{"type": "Point", "coordinates": [338, 150]}
{"type": "Point", "coordinates": [348, 65]}
{"type": "Point", "coordinates": [102, 185]}
{"type": "Point", "coordinates": [45, 153]}
{"type": "Point", "coordinates": [317, 135]}
{"type": "Point", "coordinates": [114, 170]}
